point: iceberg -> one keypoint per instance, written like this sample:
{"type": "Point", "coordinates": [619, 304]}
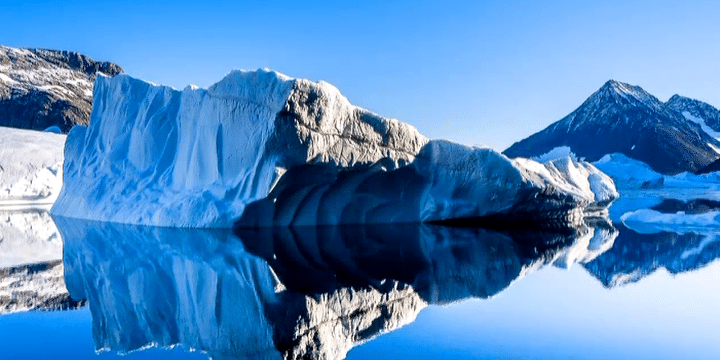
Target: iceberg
{"type": "Point", "coordinates": [153, 155]}
{"type": "Point", "coordinates": [629, 173]}
{"type": "Point", "coordinates": [647, 221]}
{"type": "Point", "coordinates": [447, 183]}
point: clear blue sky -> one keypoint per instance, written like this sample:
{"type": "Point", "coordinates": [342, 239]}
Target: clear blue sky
{"type": "Point", "coordinates": [475, 72]}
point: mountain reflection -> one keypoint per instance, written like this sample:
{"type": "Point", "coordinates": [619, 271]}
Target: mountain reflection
{"type": "Point", "coordinates": [636, 255]}
{"type": "Point", "coordinates": [292, 293]}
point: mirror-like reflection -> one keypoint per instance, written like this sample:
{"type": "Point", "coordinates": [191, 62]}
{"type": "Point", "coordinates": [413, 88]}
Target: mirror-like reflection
{"type": "Point", "coordinates": [31, 269]}
{"type": "Point", "coordinates": [292, 293]}
{"type": "Point", "coordinates": [636, 255]}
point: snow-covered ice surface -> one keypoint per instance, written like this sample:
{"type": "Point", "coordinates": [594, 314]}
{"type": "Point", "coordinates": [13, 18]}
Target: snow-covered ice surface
{"type": "Point", "coordinates": [629, 173]}
{"type": "Point", "coordinates": [641, 189]}
{"type": "Point", "coordinates": [31, 166]}
{"type": "Point", "coordinates": [556, 153]}
{"type": "Point", "coordinates": [30, 180]}
{"type": "Point", "coordinates": [157, 156]}
{"type": "Point", "coordinates": [651, 221]}
{"type": "Point", "coordinates": [31, 272]}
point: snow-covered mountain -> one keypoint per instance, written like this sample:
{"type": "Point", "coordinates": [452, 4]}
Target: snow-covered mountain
{"type": "Point", "coordinates": [41, 88]}
{"type": "Point", "coordinates": [196, 158]}
{"type": "Point", "coordinates": [622, 118]}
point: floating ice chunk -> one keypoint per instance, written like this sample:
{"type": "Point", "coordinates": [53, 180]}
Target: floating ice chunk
{"type": "Point", "coordinates": [651, 221]}
{"type": "Point", "coordinates": [629, 173]}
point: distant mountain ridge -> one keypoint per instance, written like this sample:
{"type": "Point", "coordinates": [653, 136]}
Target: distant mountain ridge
{"type": "Point", "coordinates": [40, 88]}
{"type": "Point", "coordinates": [623, 118]}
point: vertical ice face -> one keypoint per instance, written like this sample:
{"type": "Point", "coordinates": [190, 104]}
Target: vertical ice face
{"type": "Point", "coordinates": [194, 158]}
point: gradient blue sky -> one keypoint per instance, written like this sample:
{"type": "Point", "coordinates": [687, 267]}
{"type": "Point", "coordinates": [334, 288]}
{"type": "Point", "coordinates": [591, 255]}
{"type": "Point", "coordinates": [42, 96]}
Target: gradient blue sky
{"type": "Point", "coordinates": [489, 72]}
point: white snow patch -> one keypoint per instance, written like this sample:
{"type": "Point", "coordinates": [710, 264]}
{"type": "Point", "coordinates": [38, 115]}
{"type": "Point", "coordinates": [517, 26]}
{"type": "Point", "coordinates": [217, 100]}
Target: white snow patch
{"type": "Point", "coordinates": [6, 79]}
{"type": "Point", "coordinates": [700, 121]}
{"type": "Point", "coordinates": [717, 150]}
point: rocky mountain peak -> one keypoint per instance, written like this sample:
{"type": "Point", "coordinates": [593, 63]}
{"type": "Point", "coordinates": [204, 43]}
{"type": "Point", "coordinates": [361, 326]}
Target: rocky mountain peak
{"type": "Point", "coordinates": [621, 118]}
{"type": "Point", "coordinates": [614, 92]}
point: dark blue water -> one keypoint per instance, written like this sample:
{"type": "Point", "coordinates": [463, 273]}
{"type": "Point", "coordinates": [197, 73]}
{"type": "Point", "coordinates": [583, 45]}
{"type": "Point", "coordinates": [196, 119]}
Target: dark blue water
{"type": "Point", "coordinates": [594, 292]}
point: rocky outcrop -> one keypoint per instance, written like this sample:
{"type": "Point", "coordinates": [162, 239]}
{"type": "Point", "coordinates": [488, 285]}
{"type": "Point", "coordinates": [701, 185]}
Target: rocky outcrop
{"type": "Point", "coordinates": [41, 88]}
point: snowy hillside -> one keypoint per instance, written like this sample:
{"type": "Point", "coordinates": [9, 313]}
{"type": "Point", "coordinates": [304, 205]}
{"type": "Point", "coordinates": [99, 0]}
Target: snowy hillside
{"type": "Point", "coordinates": [31, 166]}
{"type": "Point", "coordinates": [622, 118]}
{"type": "Point", "coordinates": [196, 158]}
{"type": "Point", "coordinates": [707, 116]}
{"type": "Point", "coordinates": [42, 88]}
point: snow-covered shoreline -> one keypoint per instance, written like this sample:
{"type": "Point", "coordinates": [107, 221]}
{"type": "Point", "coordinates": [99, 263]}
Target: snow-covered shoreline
{"type": "Point", "coordinates": [31, 168]}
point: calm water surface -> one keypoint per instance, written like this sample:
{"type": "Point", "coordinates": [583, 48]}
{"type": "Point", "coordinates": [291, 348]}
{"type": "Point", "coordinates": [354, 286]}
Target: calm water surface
{"type": "Point", "coordinates": [593, 292]}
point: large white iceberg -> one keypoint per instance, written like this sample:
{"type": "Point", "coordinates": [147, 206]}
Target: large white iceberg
{"type": "Point", "coordinates": [197, 158]}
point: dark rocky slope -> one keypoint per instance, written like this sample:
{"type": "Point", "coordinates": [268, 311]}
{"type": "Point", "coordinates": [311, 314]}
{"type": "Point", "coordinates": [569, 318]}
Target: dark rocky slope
{"type": "Point", "coordinates": [42, 88]}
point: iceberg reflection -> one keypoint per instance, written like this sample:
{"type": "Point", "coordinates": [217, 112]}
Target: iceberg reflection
{"type": "Point", "coordinates": [292, 293]}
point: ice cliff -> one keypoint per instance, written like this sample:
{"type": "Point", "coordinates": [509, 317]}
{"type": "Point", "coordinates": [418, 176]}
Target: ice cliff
{"type": "Point", "coordinates": [197, 158]}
